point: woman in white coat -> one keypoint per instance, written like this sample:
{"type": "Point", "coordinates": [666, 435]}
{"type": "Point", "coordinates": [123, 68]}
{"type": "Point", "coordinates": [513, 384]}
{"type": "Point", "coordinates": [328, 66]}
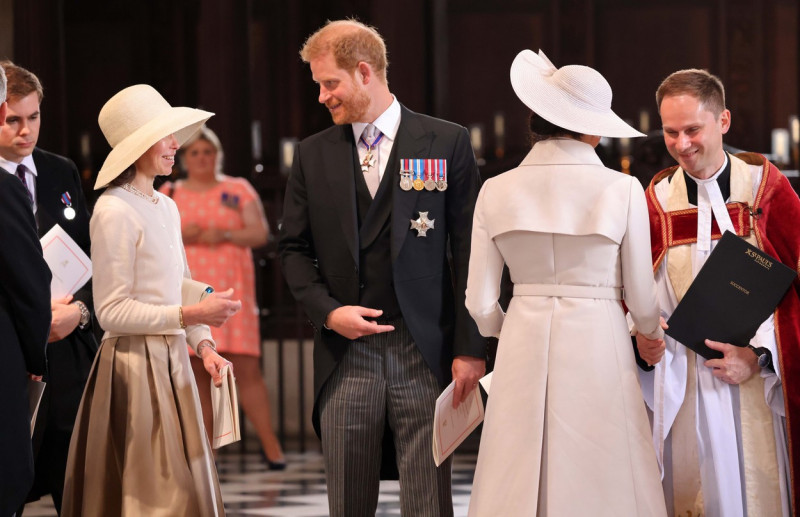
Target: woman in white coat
{"type": "Point", "coordinates": [566, 430]}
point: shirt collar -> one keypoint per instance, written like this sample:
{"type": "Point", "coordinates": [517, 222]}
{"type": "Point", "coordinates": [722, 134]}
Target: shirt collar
{"type": "Point", "coordinates": [11, 167]}
{"type": "Point", "coordinates": [387, 122]}
{"type": "Point", "coordinates": [722, 177]}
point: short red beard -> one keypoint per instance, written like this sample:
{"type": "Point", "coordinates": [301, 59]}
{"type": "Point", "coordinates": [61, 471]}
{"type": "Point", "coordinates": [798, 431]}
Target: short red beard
{"type": "Point", "coordinates": [353, 109]}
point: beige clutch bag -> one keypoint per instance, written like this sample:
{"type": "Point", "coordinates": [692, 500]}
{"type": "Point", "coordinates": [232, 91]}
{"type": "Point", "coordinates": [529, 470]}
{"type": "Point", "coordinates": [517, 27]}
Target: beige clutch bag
{"type": "Point", "coordinates": [193, 291]}
{"type": "Point", "coordinates": [225, 406]}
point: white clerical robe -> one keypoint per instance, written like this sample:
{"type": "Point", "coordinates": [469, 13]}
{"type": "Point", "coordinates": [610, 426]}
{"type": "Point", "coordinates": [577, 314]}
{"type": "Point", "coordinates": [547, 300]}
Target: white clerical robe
{"type": "Point", "coordinates": [718, 430]}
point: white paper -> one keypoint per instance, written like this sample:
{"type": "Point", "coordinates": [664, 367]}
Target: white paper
{"type": "Point", "coordinates": [35, 391]}
{"type": "Point", "coordinates": [452, 426]}
{"type": "Point", "coordinates": [486, 382]}
{"type": "Point", "coordinates": [225, 407]}
{"type": "Point", "coordinates": [70, 266]}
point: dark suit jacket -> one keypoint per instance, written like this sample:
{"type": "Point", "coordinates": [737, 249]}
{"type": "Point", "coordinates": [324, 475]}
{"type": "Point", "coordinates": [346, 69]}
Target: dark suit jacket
{"type": "Point", "coordinates": [70, 359]}
{"type": "Point", "coordinates": [24, 327]}
{"type": "Point", "coordinates": [320, 240]}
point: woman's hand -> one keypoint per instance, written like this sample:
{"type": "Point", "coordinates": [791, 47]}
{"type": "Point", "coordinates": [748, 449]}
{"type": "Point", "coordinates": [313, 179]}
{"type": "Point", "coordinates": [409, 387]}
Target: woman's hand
{"type": "Point", "coordinates": [213, 363]}
{"type": "Point", "coordinates": [212, 237]}
{"type": "Point", "coordinates": [191, 233]}
{"type": "Point", "coordinates": [214, 310]}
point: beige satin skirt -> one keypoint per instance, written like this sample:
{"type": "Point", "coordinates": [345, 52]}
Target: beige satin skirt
{"type": "Point", "coordinates": [139, 447]}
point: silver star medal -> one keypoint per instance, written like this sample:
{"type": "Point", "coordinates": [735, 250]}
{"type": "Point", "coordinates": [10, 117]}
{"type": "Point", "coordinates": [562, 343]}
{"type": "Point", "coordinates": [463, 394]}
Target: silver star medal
{"type": "Point", "coordinates": [422, 224]}
{"type": "Point", "coordinates": [368, 162]}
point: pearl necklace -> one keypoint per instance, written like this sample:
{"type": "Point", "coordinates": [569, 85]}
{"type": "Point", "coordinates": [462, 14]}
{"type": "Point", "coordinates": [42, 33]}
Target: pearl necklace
{"type": "Point", "coordinates": [136, 192]}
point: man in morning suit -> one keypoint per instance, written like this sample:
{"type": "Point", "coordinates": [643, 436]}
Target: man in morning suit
{"type": "Point", "coordinates": [58, 198]}
{"type": "Point", "coordinates": [24, 325]}
{"type": "Point", "coordinates": [364, 249]}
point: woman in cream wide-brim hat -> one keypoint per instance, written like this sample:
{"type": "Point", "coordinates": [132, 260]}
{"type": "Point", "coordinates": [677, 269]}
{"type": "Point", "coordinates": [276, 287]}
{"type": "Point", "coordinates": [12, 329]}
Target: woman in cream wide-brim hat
{"type": "Point", "coordinates": [139, 446]}
{"type": "Point", "coordinates": [566, 431]}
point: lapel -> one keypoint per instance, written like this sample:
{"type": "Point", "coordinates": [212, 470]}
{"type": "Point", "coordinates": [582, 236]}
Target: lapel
{"type": "Point", "coordinates": [413, 141]}
{"type": "Point", "coordinates": [340, 158]}
{"type": "Point", "coordinates": [45, 184]}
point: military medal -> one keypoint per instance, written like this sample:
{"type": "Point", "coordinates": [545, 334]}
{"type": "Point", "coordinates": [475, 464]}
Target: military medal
{"type": "Point", "coordinates": [422, 224]}
{"type": "Point", "coordinates": [430, 184]}
{"type": "Point", "coordinates": [441, 175]}
{"type": "Point", "coordinates": [405, 174]}
{"type": "Point", "coordinates": [418, 184]}
{"type": "Point", "coordinates": [369, 160]}
{"type": "Point", "coordinates": [69, 212]}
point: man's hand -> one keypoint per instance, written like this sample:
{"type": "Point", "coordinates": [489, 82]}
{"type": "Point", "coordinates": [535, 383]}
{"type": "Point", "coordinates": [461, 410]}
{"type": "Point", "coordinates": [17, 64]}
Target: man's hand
{"type": "Point", "coordinates": [467, 371]}
{"type": "Point", "coordinates": [349, 321]}
{"type": "Point", "coordinates": [738, 363]}
{"type": "Point", "coordinates": [66, 317]}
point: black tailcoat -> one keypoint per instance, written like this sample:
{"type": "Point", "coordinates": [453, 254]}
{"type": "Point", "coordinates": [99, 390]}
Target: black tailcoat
{"type": "Point", "coordinates": [321, 240]}
{"type": "Point", "coordinates": [70, 359]}
{"type": "Point", "coordinates": [24, 327]}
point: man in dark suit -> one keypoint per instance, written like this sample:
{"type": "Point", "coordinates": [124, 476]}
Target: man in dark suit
{"type": "Point", "coordinates": [369, 219]}
{"type": "Point", "coordinates": [24, 325]}
{"type": "Point", "coordinates": [55, 187]}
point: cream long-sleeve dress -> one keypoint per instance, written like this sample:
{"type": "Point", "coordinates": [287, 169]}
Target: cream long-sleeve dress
{"type": "Point", "coordinates": [566, 431]}
{"type": "Point", "coordinates": [139, 447]}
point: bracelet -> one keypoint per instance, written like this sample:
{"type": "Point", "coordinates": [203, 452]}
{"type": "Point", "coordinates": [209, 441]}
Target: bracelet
{"type": "Point", "coordinates": [85, 315]}
{"type": "Point", "coordinates": [205, 344]}
{"type": "Point", "coordinates": [180, 317]}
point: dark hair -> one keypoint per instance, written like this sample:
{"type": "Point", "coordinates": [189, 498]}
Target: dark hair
{"type": "Point", "coordinates": [126, 177]}
{"type": "Point", "coordinates": [541, 129]}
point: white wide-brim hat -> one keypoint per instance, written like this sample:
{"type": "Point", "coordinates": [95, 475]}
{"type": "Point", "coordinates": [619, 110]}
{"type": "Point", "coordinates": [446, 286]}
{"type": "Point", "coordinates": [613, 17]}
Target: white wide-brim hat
{"type": "Point", "coordinates": [135, 119]}
{"type": "Point", "coordinates": [573, 97]}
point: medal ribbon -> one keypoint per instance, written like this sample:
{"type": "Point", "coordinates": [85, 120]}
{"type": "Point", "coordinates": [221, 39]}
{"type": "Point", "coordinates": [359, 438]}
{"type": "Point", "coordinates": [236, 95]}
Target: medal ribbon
{"type": "Point", "coordinates": [375, 142]}
{"type": "Point", "coordinates": [66, 199]}
{"type": "Point", "coordinates": [418, 168]}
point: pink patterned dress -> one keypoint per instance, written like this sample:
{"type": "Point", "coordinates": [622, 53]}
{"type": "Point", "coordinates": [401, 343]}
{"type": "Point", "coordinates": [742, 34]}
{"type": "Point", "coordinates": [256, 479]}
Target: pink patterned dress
{"type": "Point", "coordinates": [224, 265]}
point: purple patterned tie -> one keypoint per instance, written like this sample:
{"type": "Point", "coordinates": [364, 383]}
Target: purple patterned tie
{"type": "Point", "coordinates": [21, 169]}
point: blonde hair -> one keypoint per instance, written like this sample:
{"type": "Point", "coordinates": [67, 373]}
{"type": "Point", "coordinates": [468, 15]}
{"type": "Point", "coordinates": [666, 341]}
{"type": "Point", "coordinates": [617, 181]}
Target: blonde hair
{"type": "Point", "coordinates": [350, 42]}
{"type": "Point", "coordinates": [207, 134]}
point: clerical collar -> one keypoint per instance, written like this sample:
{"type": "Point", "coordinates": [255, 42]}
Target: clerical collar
{"type": "Point", "coordinates": [723, 180]}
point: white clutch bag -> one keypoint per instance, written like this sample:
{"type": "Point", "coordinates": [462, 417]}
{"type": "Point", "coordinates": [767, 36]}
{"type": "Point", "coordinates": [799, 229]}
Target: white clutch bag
{"type": "Point", "coordinates": [193, 291]}
{"type": "Point", "coordinates": [225, 405]}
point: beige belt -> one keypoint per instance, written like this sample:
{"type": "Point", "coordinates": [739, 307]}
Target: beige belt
{"type": "Point", "coordinates": [568, 291]}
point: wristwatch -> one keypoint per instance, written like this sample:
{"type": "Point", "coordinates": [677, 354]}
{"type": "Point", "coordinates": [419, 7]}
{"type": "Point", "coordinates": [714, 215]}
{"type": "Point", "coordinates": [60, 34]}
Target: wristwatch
{"type": "Point", "coordinates": [764, 357]}
{"type": "Point", "coordinates": [85, 314]}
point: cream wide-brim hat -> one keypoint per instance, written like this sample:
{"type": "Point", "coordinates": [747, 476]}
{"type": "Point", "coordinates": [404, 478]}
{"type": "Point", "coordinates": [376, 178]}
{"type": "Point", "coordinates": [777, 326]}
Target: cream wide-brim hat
{"type": "Point", "coordinates": [573, 97]}
{"type": "Point", "coordinates": [136, 118]}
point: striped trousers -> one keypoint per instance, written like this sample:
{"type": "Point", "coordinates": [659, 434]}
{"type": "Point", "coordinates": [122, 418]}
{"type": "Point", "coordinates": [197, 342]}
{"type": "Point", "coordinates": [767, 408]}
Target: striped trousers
{"type": "Point", "coordinates": [382, 377]}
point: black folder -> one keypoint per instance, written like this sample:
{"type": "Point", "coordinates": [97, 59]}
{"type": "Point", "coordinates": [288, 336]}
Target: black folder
{"type": "Point", "coordinates": [737, 288]}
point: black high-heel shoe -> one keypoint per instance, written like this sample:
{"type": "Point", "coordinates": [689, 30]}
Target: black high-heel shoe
{"type": "Point", "coordinates": [273, 465]}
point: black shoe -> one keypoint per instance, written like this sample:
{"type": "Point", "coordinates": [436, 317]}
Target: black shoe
{"type": "Point", "coordinates": [273, 465]}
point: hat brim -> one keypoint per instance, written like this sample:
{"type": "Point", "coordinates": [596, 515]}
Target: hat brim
{"type": "Point", "coordinates": [180, 121]}
{"type": "Point", "coordinates": [545, 98]}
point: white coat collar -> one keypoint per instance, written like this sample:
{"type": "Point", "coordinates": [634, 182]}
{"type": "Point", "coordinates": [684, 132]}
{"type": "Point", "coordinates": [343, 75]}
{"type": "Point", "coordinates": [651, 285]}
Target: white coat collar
{"type": "Point", "coordinates": [561, 151]}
